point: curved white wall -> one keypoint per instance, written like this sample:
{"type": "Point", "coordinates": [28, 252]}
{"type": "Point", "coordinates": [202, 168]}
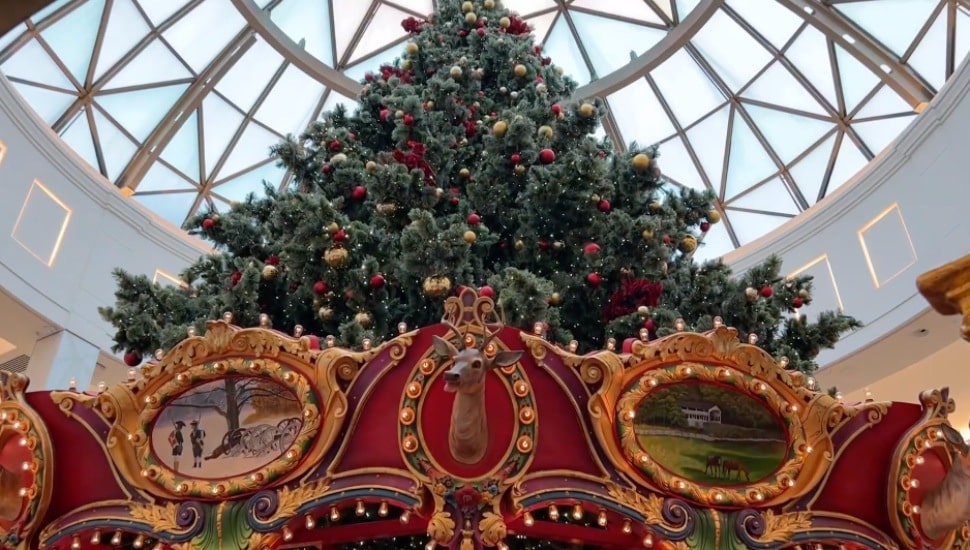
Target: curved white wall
{"type": "Point", "coordinates": [922, 173]}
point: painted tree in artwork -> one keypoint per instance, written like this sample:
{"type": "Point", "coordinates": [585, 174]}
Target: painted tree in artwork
{"type": "Point", "coordinates": [230, 396]}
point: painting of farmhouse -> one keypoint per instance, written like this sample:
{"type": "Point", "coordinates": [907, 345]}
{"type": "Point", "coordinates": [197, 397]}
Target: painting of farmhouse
{"type": "Point", "coordinates": [710, 434]}
{"type": "Point", "coordinates": [226, 427]}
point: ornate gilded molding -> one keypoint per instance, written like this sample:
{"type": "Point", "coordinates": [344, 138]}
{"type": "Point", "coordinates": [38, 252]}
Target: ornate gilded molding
{"type": "Point", "coordinates": [947, 289]}
{"type": "Point", "coordinates": [25, 492]}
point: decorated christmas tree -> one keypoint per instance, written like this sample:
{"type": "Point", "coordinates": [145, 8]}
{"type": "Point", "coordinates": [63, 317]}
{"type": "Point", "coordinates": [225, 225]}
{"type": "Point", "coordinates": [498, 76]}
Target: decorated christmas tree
{"type": "Point", "coordinates": [469, 161]}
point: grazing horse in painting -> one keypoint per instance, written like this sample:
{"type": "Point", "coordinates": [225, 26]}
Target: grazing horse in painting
{"type": "Point", "coordinates": [738, 469]}
{"type": "Point", "coordinates": [714, 465]}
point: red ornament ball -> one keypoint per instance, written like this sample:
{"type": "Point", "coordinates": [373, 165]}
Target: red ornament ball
{"type": "Point", "coordinates": [594, 279]}
{"type": "Point", "coordinates": [556, 109]}
{"type": "Point", "coordinates": [132, 358]}
{"type": "Point", "coordinates": [767, 291]}
{"type": "Point", "coordinates": [377, 281]}
{"type": "Point", "coordinates": [320, 287]}
{"type": "Point", "coordinates": [208, 223]}
{"type": "Point", "coordinates": [515, 158]}
{"type": "Point", "coordinates": [705, 226]}
{"type": "Point", "coordinates": [359, 193]}
{"type": "Point", "coordinates": [547, 156]}
{"type": "Point", "coordinates": [327, 168]}
{"type": "Point", "coordinates": [604, 206]}
{"type": "Point", "coordinates": [474, 219]}
{"type": "Point", "coordinates": [454, 201]}
{"type": "Point", "coordinates": [668, 239]}
{"type": "Point", "coordinates": [340, 236]}
{"type": "Point", "coordinates": [384, 113]}
{"type": "Point", "coordinates": [480, 31]}
{"type": "Point", "coordinates": [335, 145]}
{"type": "Point", "coordinates": [650, 325]}
{"type": "Point", "coordinates": [408, 120]}
{"type": "Point", "coordinates": [591, 249]}
{"type": "Point", "coordinates": [486, 291]}
{"type": "Point", "coordinates": [314, 341]}
{"type": "Point", "coordinates": [797, 302]}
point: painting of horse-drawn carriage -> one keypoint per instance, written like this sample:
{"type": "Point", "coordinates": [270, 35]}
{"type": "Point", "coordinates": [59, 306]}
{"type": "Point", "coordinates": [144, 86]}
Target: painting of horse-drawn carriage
{"type": "Point", "coordinates": [226, 427]}
{"type": "Point", "coordinates": [710, 434]}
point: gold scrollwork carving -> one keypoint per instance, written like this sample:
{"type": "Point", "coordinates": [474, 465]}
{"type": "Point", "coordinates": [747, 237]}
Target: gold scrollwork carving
{"type": "Point", "coordinates": [441, 527]}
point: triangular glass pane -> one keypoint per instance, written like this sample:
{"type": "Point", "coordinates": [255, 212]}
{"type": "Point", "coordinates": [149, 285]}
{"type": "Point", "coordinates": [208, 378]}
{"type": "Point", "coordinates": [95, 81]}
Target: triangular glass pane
{"type": "Point", "coordinates": [809, 54]}
{"type": "Point", "coordinates": [252, 148]}
{"type": "Point", "coordinates": [684, 7]}
{"type": "Point", "coordinates": [771, 196]}
{"type": "Point", "coordinates": [929, 58]}
{"type": "Point", "coordinates": [12, 35]}
{"type": "Point", "coordinates": [644, 119]}
{"type": "Point", "coordinates": [307, 20]}
{"type": "Point", "coordinates": [848, 163]}
{"type": "Point", "coordinates": [857, 80]}
{"type": "Point", "coordinates": [333, 98]}
{"type": "Point", "coordinates": [787, 134]}
{"type": "Point", "coordinates": [160, 10]}
{"type": "Point", "coordinates": [709, 140]}
{"type": "Point", "coordinates": [609, 55]}
{"type": "Point", "coordinates": [809, 173]}
{"type": "Point", "coordinates": [162, 178]}
{"type": "Point", "coordinates": [679, 73]}
{"type": "Point", "coordinates": [346, 24]}
{"type": "Point", "coordinates": [738, 64]}
{"type": "Point", "coordinates": [204, 32]}
{"type": "Point", "coordinates": [171, 207]}
{"type": "Point", "coordinates": [72, 37]}
{"type": "Point", "coordinates": [878, 134]}
{"type": "Point", "coordinates": [716, 243]}
{"type": "Point", "coordinates": [290, 104]}
{"type": "Point", "coordinates": [894, 23]}
{"type": "Point", "coordinates": [769, 18]}
{"type": "Point", "coordinates": [376, 36]}
{"type": "Point", "coordinates": [139, 111]}
{"type": "Point", "coordinates": [885, 102]}
{"type": "Point", "coordinates": [664, 6]}
{"type": "Point", "coordinates": [220, 122]}
{"type": "Point", "coordinates": [370, 64]}
{"type": "Point", "coordinates": [962, 46]}
{"type": "Point", "coordinates": [126, 27]}
{"type": "Point", "coordinates": [156, 63]}
{"type": "Point", "coordinates": [541, 24]}
{"type": "Point", "coordinates": [239, 187]}
{"type": "Point", "coordinates": [677, 165]}
{"type": "Point", "coordinates": [749, 227]}
{"type": "Point", "coordinates": [749, 162]}
{"type": "Point", "coordinates": [244, 81]}
{"type": "Point", "coordinates": [562, 47]}
{"type": "Point", "coordinates": [638, 11]}
{"type": "Point", "coordinates": [49, 105]}
{"type": "Point", "coordinates": [116, 148]}
{"type": "Point", "coordinates": [78, 136]}
{"type": "Point", "coordinates": [182, 151]}
{"type": "Point", "coordinates": [32, 63]}
{"type": "Point", "coordinates": [527, 7]}
{"type": "Point", "coordinates": [777, 85]}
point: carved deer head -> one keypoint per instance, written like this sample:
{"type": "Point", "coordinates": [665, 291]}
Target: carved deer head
{"type": "Point", "coordinates": [472, 363]}
{"type": "Point", "coordinates": [947, 506]}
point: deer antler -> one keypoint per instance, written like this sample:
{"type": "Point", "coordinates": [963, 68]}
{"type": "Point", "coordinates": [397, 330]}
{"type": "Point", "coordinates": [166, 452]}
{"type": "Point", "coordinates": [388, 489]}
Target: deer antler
{"type": "Point", "coordinates": [452, 326]}
{"type": "Point", "coordinates": [489, 335]}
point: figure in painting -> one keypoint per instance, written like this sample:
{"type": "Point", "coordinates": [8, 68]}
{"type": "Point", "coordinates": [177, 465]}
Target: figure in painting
{"type": "Point", "coordinates": [197, 438]}
{"type": "Point", "coordinates": [177, 441]}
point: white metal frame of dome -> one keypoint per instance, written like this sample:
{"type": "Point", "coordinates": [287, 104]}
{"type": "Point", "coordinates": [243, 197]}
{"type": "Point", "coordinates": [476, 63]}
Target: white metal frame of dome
{"type": "Point", "coordinates": [633, 87]}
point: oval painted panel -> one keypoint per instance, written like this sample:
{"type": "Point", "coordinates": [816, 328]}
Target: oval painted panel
{"type": "Point", "coordinates": [710, 434]}
{"type": "Point", "coordinates": [226, 427]}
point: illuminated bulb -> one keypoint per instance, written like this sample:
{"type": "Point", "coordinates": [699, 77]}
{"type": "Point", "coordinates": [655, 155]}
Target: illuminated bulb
{"type": "Point", "coordinates": [528, 520]}
{"type": "Point", "coordinates": [402, 327]}
{"type": "Point", "coordinates": [630, 415]}
{"type": "Point", "coordinates": [648, 541]}
{"type": "Point", "coordinates": [688, 370]}
{"type": "Point", "coordinates": [116, 538]}
{"type": "Point", "coordinates": [752, 338]}
{"type": "Point", "coordinates": [23, 440]}
{"type": "Point", "coordinates": [644, 334]}
{"type": "Point", "coordinates": [627, 528]}
{"type": "Point", "coordinates": [537, 329]}
{"type": "Point", "coordinates": [679, 324]}
{"type": "Point", "coordinates": [868, 394]}
{"type": "Point", "coordinates": [367, 344]}
{"type": "Point", "coordinates": [553, 512]}
{"type": "Point", "coordinates": [25, 466]}
{"type": "Point", "coordinates": [298, 331]}
{"type": "Point", "coordinates": [96, 537]}
{"type": "Point", "coordinates": [915, 509]}
{"type": "Point", "coordinates": [159, 353]}
{"type": "Point", "coordinates": [838, 395]}
{"type": "Point", "coordinates": [577, 512]}
{"type": "Point", "coordinates": [783, 362]}
{"type": "Point", "coordinates": [360, 510]}
{"type": "Point", "coordinates": [331, 341]}
{"type": "Point", "coordinates": [812, 383]}
{"type": "Point", "coordinates": [920, 459]}
{"type": "Point", "coordinates": [22, 492]}
{"type": "Point", "coordinates": [310, 523]}
{"type": "Point", "coordinates": [611, 344]}
{"type": "Point", "coordinates": [131, 375]}
{"type": "Point", "coordinates": [601, 519]}
{"type": "Point", "coordinates": [431, 545]}
{"type": "Point", "coordinates": [334, 514]}
{"type": "Point", "coordinates": [264, 320]}
{"type": "Point", "coordinates": [502, 546]}
{"type": "Point", "coordinates": [808, 449]}
{"type": "Point", "coordinates": [914, 483]}
{"type": "Point", "coordinates": [76, 543]}
{"type": "Point", "coordinates": [382, 510]}
{"type": "Point", "coordinates": [191, 332]}
{"type": "Point", "coordinates": [287, 534]}
{"type": "Point", "coordinates": [405, 516]}
{"type": "Point", "coordinates": [227, 317]}
{"type": "Point", "coordinates": [573, 346]}
{"type": "Point", "coordinates": [718, 322]}
{"type": "Point", "coordinates": [139, 541]}
{"type": "Point", "coordinates": [102, 387]}
{"type": "Point", "coordinates": [72, 384]}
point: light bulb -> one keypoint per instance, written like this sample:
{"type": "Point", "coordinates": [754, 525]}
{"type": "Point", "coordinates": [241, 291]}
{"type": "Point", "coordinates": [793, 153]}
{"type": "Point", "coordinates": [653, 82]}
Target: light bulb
{"type": "Point", "coordinates": [405, 516]}
{"type": "Point", "coordinates": [287, 534]}
{"type": "Point", "coordinates": [76, 543]}
{"type": "Point", "coordinates": [310, 523]}
{"type": "Point", "coordinates": [573, 346]}
{"type": "Point", "coordinates": [382, 510]}
{"type": "Point", "coordinates": [553, 512]}
{"type": "Point", "coordinates": [402, 327]}
{"type": "Point", "coordinates": [627, 528]}
{"type": "Point", "coordinates": [648, 541]}
{"type": "Point", "coordinates": [116, 538]}
{"type": "Point", "coordinates": [528, 520]}
{"type": "Point", "coordinates": [334, 514]}
{"type": "Point", "coordinates": [96, 537]}
{"type": "Point", "coordinates": [360, 510]}
{"type": "Point", "coordinates": [577, 512]}
{"type": "Point", "coordinates": [601, 519]}
{"type": "Point", "coordinates": [139, 541]}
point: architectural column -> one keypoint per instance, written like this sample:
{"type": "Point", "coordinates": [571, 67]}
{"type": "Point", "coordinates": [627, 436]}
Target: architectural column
{"type": "Point", "coordinates": [60, 357]}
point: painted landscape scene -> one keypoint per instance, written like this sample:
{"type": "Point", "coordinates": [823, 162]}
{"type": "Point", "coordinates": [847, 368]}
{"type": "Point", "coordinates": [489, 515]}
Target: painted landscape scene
{"type": "Point", "coordinates": [710, 434]}
{"type": "Point", "coordinates": [227, 427]}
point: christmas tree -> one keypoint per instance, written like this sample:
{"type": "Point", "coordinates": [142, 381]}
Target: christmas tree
{"type": "Point", "coordinates": [468, 161]}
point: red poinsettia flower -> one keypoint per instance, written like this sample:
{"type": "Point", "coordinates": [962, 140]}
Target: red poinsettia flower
{"type": "Point", "coordinates": [467, 497]}
{"type": "Point", "coordinates": [633, 293]}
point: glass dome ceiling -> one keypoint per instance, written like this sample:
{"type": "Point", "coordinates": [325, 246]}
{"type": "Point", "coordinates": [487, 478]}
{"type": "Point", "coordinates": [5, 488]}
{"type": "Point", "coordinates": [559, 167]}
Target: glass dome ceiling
{"type": "Point", "coordinates": [773, 104]}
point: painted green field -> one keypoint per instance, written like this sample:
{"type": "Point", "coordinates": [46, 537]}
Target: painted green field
{"type": "Point", "coordinates": [687, 457]}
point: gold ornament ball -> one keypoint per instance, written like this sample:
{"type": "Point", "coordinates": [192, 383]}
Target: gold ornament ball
{"type": "Point", "coordinates": [387, 208]}
{"type": "Point", "coordinates": [339, 158]}
{"type": "Point", "coordinates": [428, 105]}
{"type": "Point", "coordinates": [555, 299]}
{"type": "Point", "coordinates": [499, 129]}
{"type": "Point", "coordinates": [455, 72]}
{"type": "Point", "coordinates": [489, 4]}
{"type": "Point", "coordinates": [464, 172]}
{"type": "Point", "coordinates": [336, 257]}
{"type": "Point", "coordinates": [655, 206]}
{"type": "Point", "coordinates": [363, 319]}
{"type": "Point", "coordinates": [520, 70]}
{"type": "Point", "coordinates": [643, 311]}
{"type": "Point", "coordinates": [804, 294]}
{"type": "Point", "coordinates": [470, 236]}
{"type": "Point", "coordinates": [398, 114]}
{"type": "Point", "coordinates": [640, 162]}
{"type": "Point", "coordinates": [519, 169]}
{"type": "Point", "coordinates": [325, 313]}
{"type": "Point", "coordinates": [546, 132]}
{"type": "Point", "coordinates": [471, 18]}
{"type": "Point", "coordinates": [406, 64]}
{"type": "Point", "coordinates": [688, 244]}
{"type": "Point", "coordinates": [713, 216]}
{"type": "Point", "coordinates": [436, 286]}
{"type": "Point", "coordinates": [647, 234]}
{"type": "Point", "coordinates": [270, 272]}
{"type": "Point", "coordinates": [505, 22]}
{"type": "Point", "coordinates": [751, 293]}
{"type": "Point", "coordinates": [439, 192]}
{"type": "Point", "coordinates": [371, 166]}
{"type": "Point", "coordinates": [587, 110]}
{"type": "Point", "coordinates": [467, 7]}
{"type": "Point", "coordinates": [519, 244]}
{"type": "Point", "coordinates": [332, 227]}
{"type": "Point", "coordinates": [411, 48]}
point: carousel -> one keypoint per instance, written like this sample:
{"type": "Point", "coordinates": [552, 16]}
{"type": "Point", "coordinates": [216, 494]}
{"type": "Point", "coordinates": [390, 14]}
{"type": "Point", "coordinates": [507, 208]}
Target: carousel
{"type": "Point", "coordinates": [468, 434]}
